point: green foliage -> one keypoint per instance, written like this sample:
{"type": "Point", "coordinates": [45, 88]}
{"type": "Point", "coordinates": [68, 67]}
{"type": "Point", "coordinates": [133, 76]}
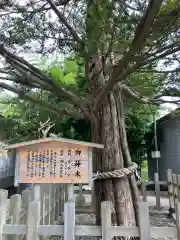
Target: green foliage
{"type": "Point", "coordinates": [57, 73]}
{"type": "Point", "coordinates": [168, 6]}
{"type": "Point", "coordinates": [138, 119]}
{"type": "Point", "coordinates": [144, 171]}
{"type": "Point", "coordinates": [146, 83]}
{"type": "Point", "coordinates": [64, 72]}
{"type": "Point", "coordinates": [26, 115]}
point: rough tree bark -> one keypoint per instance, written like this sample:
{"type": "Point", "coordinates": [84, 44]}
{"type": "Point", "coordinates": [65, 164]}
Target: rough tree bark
{"type": "Point", "coordinates": [108, 128]}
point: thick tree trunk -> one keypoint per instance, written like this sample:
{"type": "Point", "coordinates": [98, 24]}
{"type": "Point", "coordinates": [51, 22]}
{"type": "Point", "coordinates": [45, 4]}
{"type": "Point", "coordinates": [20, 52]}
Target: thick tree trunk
{"type": "Point", "coordinates": [108, 128]}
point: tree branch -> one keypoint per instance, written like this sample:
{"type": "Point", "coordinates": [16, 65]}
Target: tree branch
{"type": "Point", "coordinates": [144, 27]}
{"type": "Point", "coordinates": [176, 70]}
{"type": "Point", "coordinates": [65, 22]}
{"type": "Point", "coordinates": [160, 56]}
{"type": "Point", "coordinates": [130, 95]}
{"type": "Point", "coordinates": [120, 73]}
{"type": "Point", "coordinates": [171, 18]}
{"type": "Point", "coordinates": [43, 79]}
{"type": "Point", "coordinates": [50, 107]}
{"type": "Point", "coordinates": [121, 70]}
{"type": "Point", "coordinates": [124, 66]}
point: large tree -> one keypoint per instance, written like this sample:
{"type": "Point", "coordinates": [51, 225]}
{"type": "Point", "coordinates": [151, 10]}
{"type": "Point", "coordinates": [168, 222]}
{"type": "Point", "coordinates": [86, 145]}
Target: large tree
{"type": "Point", "coordinates": [119, 41]}
{"type": "Point", "coordinates": [28, 118]}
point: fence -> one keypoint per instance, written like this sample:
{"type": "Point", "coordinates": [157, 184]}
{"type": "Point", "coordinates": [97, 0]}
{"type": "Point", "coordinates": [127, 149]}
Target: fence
{"type": "Point", "coordinates": [173, 185]}
{"type": "Point", "coordinates": [52, 203]}
{"type": "Point", "coordinates": [33, 229]}
{"type": "Point", "coordinates": [39, 219]}
{"type": "Point", "coordinates": [157, 191]}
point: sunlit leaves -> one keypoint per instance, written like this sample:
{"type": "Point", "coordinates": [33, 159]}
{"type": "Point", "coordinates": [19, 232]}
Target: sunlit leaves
{"type": "Point", "coordinates": [57, 73]}
{"type": "Point", "coordinates": [71, 66]}
{"type": "Point", "coordinates": [68, 78]}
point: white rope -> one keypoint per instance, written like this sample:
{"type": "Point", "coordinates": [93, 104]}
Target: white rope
{"type": "Point", "coordinates": [120, 173]}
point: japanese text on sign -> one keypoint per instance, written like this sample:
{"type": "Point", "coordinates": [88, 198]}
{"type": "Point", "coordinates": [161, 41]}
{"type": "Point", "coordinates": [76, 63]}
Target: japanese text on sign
{"type": "Point", "coordinates": [59, 165]}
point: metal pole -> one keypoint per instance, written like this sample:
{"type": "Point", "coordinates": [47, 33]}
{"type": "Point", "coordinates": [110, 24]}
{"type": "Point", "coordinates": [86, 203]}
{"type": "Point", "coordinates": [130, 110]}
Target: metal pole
{"type": "Point", "coordinates": [156, 143]}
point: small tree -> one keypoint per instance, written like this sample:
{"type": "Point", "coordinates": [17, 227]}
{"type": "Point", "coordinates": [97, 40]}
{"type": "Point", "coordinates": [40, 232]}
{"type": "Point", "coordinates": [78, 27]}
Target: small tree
{"type": "Point", "coordinates": [119, 41]}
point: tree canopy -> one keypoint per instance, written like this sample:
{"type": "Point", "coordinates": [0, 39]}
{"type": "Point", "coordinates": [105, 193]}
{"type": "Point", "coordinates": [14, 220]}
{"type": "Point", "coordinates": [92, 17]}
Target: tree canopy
{"type": "Point", "coordinates": [134, 36]}
{"type": "Point", "coordinates": [26, 116]}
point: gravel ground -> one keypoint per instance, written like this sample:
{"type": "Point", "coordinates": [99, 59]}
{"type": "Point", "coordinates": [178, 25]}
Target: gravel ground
{"type": "Point", "coordinates": [157, 219]}
{"type": "Point", "coordinates": [160, 218]}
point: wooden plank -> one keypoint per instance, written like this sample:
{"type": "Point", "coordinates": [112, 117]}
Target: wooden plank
{"type": "Point", "coordinates": [70, 192]}
{"type": "Point", "coordinates": [106, 220]}
{"type": "Point", "coordinates": [33, 221]}
{"type": "Point", "coordinates": [3, 212]}
{"type": "Point", "coordinates": [156, 232]}
{"type": "Point", "coordinates": [51, 230]}
{"type": "Point", "coordinates": [43, 213]}
{"type": "Point", "coordinates": [177, 213]}
{"type": "Point", "coordinates": [157, 190]}
{"type": "Point", "coordinates": [15, 229]}
{"type": "Point", "coordinates": [178, 185]}
{"type": "Point", "coordinates": [26, 198]}
{"type": "Point", "coordinates": [53, 205]}
{"type": "Point", "coordinates": [69, 220]}
{"type": "Point", "coordinates": [3, 195]}
{"type": "Point", "coordinates": [80, 230]}
{"type": "Point", "coordinates": [58, 201]}
{"type": "Point", "coordinates": [160, 182]}
{"type": "Point", "coordinates": [144, 222]}
{"type": "Point", "coordinates": [46, 209]}
{"type": "Point", "coordinates": [162, 232]}
{"type": "Point", "coordinates": [124, 231]}
{"type": "Point", "coordinates": [37, 192]}
{"type": "Point", "coordinates": [49, 139]}
{"type": "Point", "coordinates": [15, 210]}
{"type": "Point", "coordinates": [16, 173]}
{"type": "Point", "coordinates": [143, 190]}
{"type": "Point", "coordinates": [170, 188]}
{"type": "Point", "coordinates": [62, 199]}
{"type": "Point", "coordinates": [175, 188]}
{"type": "Point", "coordinates": [90, 164]}
{"type": "Point", "coordinates": [86, 231]}
{"type": "Point", "coordinates": [49, 202]}
{"type": "Point", "coordinates": [153, 193]}
{"type": "Point", "coordinates": [65, 193]}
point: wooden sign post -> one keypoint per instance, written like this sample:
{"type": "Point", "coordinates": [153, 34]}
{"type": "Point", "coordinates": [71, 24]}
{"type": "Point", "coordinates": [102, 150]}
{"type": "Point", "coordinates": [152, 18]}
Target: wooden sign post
{"type": "Point", "coordinates": [55, 160]}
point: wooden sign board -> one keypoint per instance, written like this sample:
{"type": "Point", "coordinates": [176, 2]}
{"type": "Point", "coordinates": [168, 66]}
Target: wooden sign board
{"type": "Point", "coordinates": [53, 160]}
{"type": "Point", "coordinates": [54, 163]}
